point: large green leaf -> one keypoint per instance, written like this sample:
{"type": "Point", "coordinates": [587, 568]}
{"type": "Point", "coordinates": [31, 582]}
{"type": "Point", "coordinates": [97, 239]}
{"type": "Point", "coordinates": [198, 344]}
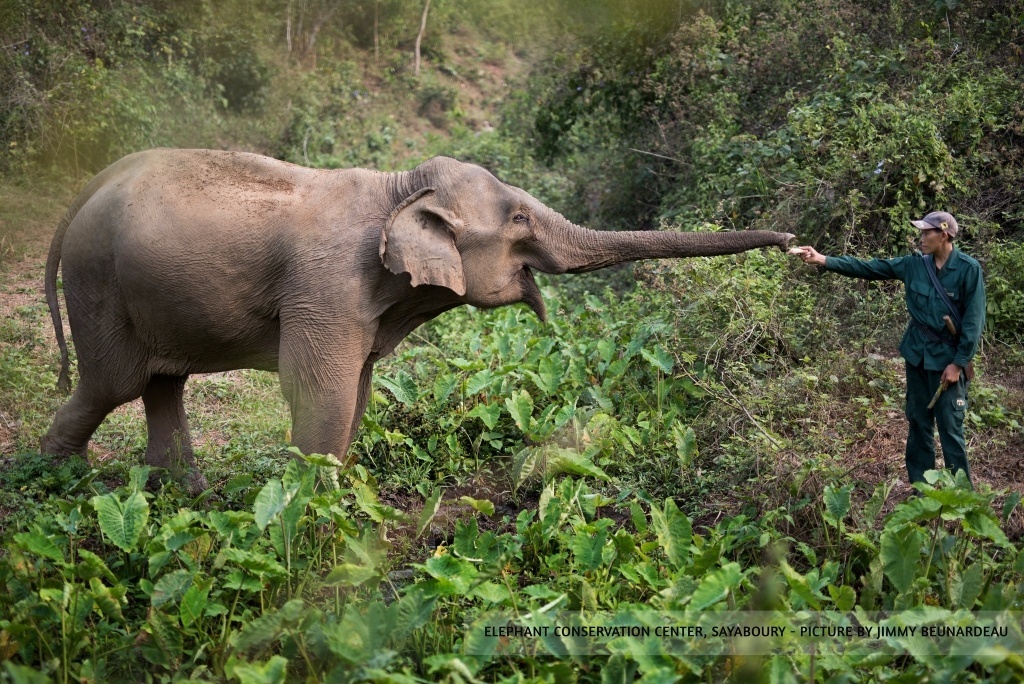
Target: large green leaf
{"type": "Point", "coordinates": [298, 492]}
{"type": "Point", "coordinates": [873, 506]}
{"type": "Point", "coordinates": [430, 508]}
{"type": "Point", "coordinates": [107, 600]}
{"type": "Point", "coordinates": [675, 532]}
{"type": "Point", "coordinates": [403, 386]}
{"type": "Point", "coordinates": [265, 628]}
{"type": "Point", "coordinates": [194, 603]}
{"type": "Point", "coordinates": [39, 544]}
{"type": "Point", "coordinates": [686, 444]}
{"type": "Point", "coordinates": [520, 407]}
{"type": "Point", "coordinates": [259, 631]}
{"type": "Point", "coordinates": [475, 547]}
{"type": "Point", "coordinates": [837, 503]}
{"type": "Point", "coordinates": [618, 670]}
{"type": "Point", "coordinates": [444, 385]}
{"type": "Point", "coordinates": [259, 564]}
{"type": "Point", "coordinates": [525, 464]}
{"type": "Point", "coordinates": [412, 612]}
{"type": "Point", "coordinates": [972, 581]}
{"type": "Point", "coordinates": [269, 503]}
{"type": "Point", "coordinates": [1011, 503]}
{"type": "Point", "coordinates": [901, 556]}
{"type": "Point", "coordinates": [485, 506]}
{"type": "Point", "coordinates": [843, 597]}
{"type": "Point", "coordinates": [572, 462]}
{"type": "Point", "coordinates": [274, 671]}
{"type": "Point", "coordinates": [90, 565]}
{"type": "Point", "coordinates": [349, 575]}
{"type": "Point", "coordinates": [122, 521]}
{"type": "Point", "coordinates": [138, 476]}
{"type": "Point", "coordinates": [917, 509]}
{"type": "Point", "coordinates": [587, 549]}
{"type": "Point", "coordinates": [550, 370]}
{"type": "Point", "coordinates": [982, 524]}
{"type": "Point", "coordinates": [165, 642]}
{"type": "Point", "coordinates": [170, 587]}
{"type": "Point", "coordinates": [454, 575]}
{"type": "Point", "coordinates": [716, 586]}
{"type": "Point", "coordinates": [488, 413]}
{"type": "Point", "coordinates": [480, 381]}
{"type": "Point", "coordinates": [660, 359]}
{"type": "Point", "coordinates": [800, 586]}
{"type": "Point", "coordinates": [779, 671]}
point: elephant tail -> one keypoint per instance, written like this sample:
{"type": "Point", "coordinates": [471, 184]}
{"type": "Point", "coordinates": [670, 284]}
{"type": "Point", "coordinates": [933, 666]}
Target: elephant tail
{"type": "Point", "coordinates": [52, 265]}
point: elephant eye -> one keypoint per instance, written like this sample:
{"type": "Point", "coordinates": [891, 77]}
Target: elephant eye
{"type": "Point", "coordinates": [520, 217]}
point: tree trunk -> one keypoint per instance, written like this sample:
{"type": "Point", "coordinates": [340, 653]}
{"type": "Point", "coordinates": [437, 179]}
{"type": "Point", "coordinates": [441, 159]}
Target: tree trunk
{"type": "Point", "coordinates": [419, 36]}
{"type": "Point", "coordinates": [288, 28]}
{"type": "Point", "coordinates": [376, 31]}
{"type": "Point", "coordinates": [302, 31]}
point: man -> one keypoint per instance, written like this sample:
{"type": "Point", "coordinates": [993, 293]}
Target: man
{"type": "Point", "coordinates": [934, 357]}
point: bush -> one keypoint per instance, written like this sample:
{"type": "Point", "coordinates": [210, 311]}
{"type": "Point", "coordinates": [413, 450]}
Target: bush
{"type": "Point", "coordinates": [436, 101]}
{"type": "Point", "coordinates": [833, 120]}
{"type": "Point", "coordinates": [84, 84]}
{"type": "Point", "coordinates": [1004, 291]}
{"type": "Point", "coordinates": [234, 70]}
{"type": "Point", "coordinates": [334, 124]}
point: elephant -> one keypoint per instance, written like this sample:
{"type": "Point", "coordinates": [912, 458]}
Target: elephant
{"type": "Point", "coordinates": [197, 261]}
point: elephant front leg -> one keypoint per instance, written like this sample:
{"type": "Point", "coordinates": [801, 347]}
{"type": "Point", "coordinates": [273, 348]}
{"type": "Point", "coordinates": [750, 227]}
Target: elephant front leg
{"type": "Point", "coordinates": [170, 444]}
{"type": "Point", "coordinates": [323, 419]}
{"type": "Point", "coordinates": [323, 396]}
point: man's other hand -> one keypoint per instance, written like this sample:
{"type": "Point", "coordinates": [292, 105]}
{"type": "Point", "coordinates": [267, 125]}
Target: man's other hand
{"type": "Point", "coordinates": [951, 375]}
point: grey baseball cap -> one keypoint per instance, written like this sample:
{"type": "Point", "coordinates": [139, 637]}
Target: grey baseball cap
{"type": "Point", "coordinates": [939, 220]}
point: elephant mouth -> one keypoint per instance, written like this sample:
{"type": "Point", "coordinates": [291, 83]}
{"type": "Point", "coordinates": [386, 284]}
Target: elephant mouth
{"type": "Point", "coordinates": [530, 293]}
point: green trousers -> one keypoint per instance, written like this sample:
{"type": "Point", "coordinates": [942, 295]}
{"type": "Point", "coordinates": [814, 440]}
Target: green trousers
{"type": "Point", "coordinates": [947, 414]}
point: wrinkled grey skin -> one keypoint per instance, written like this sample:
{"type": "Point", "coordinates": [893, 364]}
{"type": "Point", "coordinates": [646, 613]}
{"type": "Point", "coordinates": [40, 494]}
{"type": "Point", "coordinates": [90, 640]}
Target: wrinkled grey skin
{"type": "Point", "coordinates": [192, 261]}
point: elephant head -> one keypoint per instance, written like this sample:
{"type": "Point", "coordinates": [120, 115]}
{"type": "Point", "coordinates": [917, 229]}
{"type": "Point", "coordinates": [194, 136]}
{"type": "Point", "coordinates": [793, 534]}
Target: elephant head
{"type": "Point", "coordinates": [465, 230]}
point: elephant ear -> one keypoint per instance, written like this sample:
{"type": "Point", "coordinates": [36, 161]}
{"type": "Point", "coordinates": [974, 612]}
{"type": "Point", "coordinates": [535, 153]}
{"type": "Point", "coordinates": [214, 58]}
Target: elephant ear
{"type": "Point", "coordinates": [419, 239]}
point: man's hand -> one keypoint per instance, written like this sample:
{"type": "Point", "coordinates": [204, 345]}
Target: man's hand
{"type": "Point", "coordinates": [951, 375]}
{"type": "Point", "coordinates": [809, 255]}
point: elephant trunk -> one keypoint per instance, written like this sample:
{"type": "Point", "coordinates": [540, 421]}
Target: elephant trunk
{"type": "Point", "coordinates": [573, 249]}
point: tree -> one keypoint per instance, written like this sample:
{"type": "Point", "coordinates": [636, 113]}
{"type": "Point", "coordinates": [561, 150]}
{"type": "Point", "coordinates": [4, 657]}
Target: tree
{"type": "Point", "coordinates": [419, 37]}
{"type": "Point", "coordinates": [303, 22]}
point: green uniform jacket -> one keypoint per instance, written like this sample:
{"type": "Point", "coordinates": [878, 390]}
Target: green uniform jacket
{"type": "Point", "coordinates": [960, 275]}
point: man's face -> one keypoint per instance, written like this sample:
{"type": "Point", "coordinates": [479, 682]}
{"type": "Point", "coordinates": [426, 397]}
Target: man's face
{"type": "Point", "coordinates": [932, 240]}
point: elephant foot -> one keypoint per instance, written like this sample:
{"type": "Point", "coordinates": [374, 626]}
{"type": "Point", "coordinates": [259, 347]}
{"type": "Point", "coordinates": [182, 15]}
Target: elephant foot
{"type": "Point", "coordinates": [191, 479]}
{"type": "Point", "coordinates": [195, 482]}
{"type": "Point", "coordinates": [59, 451]}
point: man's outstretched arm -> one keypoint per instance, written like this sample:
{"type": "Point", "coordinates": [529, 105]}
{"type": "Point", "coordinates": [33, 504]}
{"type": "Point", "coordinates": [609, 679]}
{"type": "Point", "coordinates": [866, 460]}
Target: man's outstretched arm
{"type": "Point", "coordinates": [869, 269]}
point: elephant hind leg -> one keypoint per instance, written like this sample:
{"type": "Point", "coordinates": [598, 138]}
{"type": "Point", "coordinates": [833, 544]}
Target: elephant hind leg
{"type": "Point", "coordinates": [76, 421]}
{"type": "Point", "coordinates": [170, 443]}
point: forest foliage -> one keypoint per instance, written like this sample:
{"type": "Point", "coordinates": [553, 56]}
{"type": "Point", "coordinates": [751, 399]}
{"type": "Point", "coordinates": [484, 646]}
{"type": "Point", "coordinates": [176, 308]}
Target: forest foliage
{"type": "Point", "coordinates": [689, 437]}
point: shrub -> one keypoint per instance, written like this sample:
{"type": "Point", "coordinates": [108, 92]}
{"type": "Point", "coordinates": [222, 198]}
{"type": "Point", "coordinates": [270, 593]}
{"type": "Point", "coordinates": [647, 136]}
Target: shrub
{"type": "Point", "coordinates": [1004, 291]}
{"type": "Point", "coordinates": [333, 124]}
{"type": "Point", "coordinates": [436, 101]}
{"type": "Point", "coordinates": [235, 71]}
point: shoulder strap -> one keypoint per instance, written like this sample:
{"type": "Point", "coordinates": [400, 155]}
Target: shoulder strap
{"type": "Point", "coordinates": [929, 266]}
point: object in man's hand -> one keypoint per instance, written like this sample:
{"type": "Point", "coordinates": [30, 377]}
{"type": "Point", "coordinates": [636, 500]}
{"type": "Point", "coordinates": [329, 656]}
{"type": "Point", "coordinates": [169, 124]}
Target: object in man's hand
{"type": "Point", "coordinates": [795, 250]}
{"type": "Point", "coordinates": [942, 388]}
